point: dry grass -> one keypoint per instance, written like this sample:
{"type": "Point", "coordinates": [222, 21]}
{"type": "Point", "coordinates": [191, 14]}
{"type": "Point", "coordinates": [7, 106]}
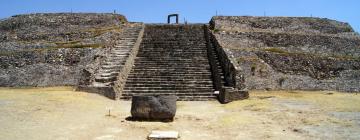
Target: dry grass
{"type": "Point", "coordinates": [331, 100]}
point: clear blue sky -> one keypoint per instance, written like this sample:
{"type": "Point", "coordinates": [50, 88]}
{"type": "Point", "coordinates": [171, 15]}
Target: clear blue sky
{"type": "Point", "coordinates": [155, 11]}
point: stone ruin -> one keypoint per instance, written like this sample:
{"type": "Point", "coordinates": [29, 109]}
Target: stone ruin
{"type": "Point", "coordinates": [216, 61]}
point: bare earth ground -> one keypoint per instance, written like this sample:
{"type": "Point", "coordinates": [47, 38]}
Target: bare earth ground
{"type": "Point", "coordinates": [60, 113]}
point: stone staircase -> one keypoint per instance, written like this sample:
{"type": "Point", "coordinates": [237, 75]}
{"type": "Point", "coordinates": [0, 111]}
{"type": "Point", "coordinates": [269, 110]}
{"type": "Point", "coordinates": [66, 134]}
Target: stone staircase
{"type": "Point", "coordinates": [110, 68]}
{"type": "Point", "coordinates": [115, 62]}
{"type": "Point", "coordinates": [172, 60]}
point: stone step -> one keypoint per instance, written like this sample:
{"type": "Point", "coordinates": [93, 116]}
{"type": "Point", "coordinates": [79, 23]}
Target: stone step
{"type": "Point", "coordinates": [170, 52]}
{"type": "Point", "coordinates": [166, 88]}
{"type": "Point", "coordinates": [185, 91]}
{"type": "Point", "coordinates": [113, 57]}
{"type": "Point", "coordinates": [161, 55]}
{"type": "Point", "coordinates": [172, 49]}
{"type": "Point", "coordinates": [169, 80]}
{"type": "Point", "coordinates": [170, 77]}
{"type": "Point", "coordinates": [138, 81]}
{"type": "Point", "coordinates": [162, 47]}
{"type": "Point", "coordinates": [139, 60]}
{"type": "Point", "coordinates": [123, 45]}
{"type": "Point", "coordinates": [108, 70]}
{"type": "Point", "coordinates": [192, 50]}
{"type": "Point", "coordinates": [194, 94]}
{"type": "Point", "coordinates": [170, 73]}
{"type": "Point", "coordinates": [172, 67]}
{"type": "Point", "coordinates": [110, 74]}
{"type": "Point", "coordinates": [208, 85]}
{"type": "Point", "coordinates": [126, 43]}
{"type": "Point", "coordinates": [167, 83]}
{"type": "Point", "coordinates": [100, 84]}
{"type": "Point", "coordinates": [105, 79]}
{"type": "Point", "coordinates": [205, 64]}
{"type": "Point", "coordinates": [170, 70]}
{"type": "Point", "coordinates": [120, 53]}
{"type": "Point", "coordinates": [111, 66]}
{"type": "Point", "coordinates": [113, 62]}
{"type": "Point", "coordinates": [182, 98]}
{"type": "Point", "coordinates": [152, 39]}
{"type": "Point", "coordinates": [169, 60]}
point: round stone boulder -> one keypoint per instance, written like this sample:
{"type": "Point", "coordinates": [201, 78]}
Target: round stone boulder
{"type": "Point", "coordinates": [153, 107]}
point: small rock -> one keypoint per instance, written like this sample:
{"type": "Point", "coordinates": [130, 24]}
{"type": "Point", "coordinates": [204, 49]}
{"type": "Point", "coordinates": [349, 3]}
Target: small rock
{"type": "Point", "coordinates": [296, 130]}
{"type": "Point", "coordinates": [230, 94]}
{"type": "Point", "coordinates": [163, 135]}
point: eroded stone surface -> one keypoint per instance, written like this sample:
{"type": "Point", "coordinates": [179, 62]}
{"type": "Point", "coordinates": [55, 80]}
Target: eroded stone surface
{"type": "Point", "coordinates": [291, 53]}
{"type": "Point", "coordinates": [153, 107]}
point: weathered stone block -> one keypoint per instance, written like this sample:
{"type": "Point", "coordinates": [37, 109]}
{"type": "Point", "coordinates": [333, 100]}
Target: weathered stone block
{"type": "Point", "coordinates": [153, 107]}
{"type": "Point", "coordinates": [228, 95]}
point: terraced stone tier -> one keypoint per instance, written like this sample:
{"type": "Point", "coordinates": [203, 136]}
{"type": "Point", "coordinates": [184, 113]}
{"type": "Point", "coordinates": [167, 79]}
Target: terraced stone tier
{"type": "Point", "coordinates": [172, 60]}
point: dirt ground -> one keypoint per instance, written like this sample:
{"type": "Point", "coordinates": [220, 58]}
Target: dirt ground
{"type": "Point", "coordinates": [60, 113]}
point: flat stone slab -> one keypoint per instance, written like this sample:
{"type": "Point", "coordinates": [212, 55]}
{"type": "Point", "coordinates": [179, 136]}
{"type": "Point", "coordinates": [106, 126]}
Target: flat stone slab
{"type": "Point", "coordinates": [153, 107]}
{"type": "Point", "coordinates": [163, 135]}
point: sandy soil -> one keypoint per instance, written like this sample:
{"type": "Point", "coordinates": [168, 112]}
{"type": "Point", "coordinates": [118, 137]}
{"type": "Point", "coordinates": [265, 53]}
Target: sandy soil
{"type": "Point", "coordinates": [60, 113]}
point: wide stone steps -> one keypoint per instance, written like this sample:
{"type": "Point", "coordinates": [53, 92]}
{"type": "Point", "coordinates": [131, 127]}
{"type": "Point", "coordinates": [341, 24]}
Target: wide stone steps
{"type": "Point", "coordinates": [172, 60]}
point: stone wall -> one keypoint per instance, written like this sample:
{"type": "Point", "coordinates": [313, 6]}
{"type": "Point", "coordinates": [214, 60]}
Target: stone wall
{"type": "Point", "coordinates": [53, 49]}
{"type": "Point", "coordinates": [291, 53]}
{"type": "Point", "coordinates": [233, 75]}
{"type": "Point", "coordinates": [56, 67]}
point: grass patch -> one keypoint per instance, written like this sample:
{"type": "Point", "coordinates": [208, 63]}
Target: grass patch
{"type": "Point", "coordinates": [247, 58]}
{"type": "Point", "coordinates": [276, 50]}
{"type": "Point", "coordinates": [215, 30]}
{"type": "Point", "coordinates": [67, 43]}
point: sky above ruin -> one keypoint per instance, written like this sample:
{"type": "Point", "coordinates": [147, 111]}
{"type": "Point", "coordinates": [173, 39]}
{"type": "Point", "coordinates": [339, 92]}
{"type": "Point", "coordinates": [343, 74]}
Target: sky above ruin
{"type": "Point", "coordinates": [194, 11]}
